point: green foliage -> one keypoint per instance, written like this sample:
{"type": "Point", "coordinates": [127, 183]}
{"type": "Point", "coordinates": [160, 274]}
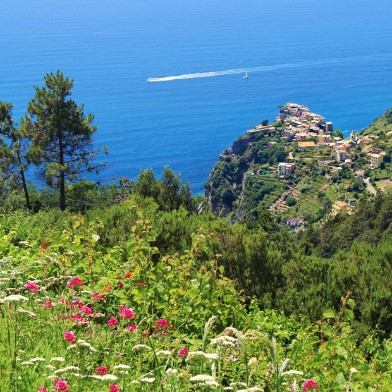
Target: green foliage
{"type": "Point", "coordinates": [60, 134]}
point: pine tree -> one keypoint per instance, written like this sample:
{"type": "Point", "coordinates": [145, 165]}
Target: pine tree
{"type": "Point", "coordinates": [60, 133]}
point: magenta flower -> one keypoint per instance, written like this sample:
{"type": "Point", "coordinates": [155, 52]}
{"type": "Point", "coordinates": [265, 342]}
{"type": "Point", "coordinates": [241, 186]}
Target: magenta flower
{"type": "Point", "coordinates": [31, 286]}
{"type": "Point", "coordinates": [182, 353]}
{"type": "Point", "coordinates": [75, 282]}
{"type": "Point", "coordinates": [97, 297]}
{"type": "Point", "coordinates": [126, 313]}
{"type": "Point", "coordinates": [162, 323]}
{"type": "Point", "coordinates": [76, 304]}
{"type": "Point", "coordinates": [131, 327]}
{"type": "Point", "coordinates": [112, 322]}
{"type": "Point", "coordinates": [114, 388]}
{"type": "Point", "coordinates": [101, 370]}
{"type": "Point", "coordinates": [60, 385]}
{"type": "Point", "coordinates": [310, 384]}
{"type": "Point", "coordinates": [42, 389]}
{"type": "Point", "coordinates": [87, 310]}
{"type": "Point", "coordinates": [47, 305]}
{"type": "Point", "coordinates": [69, 336]}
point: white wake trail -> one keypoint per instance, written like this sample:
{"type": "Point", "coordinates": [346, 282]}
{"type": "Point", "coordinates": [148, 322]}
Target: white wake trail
{"type": "Point", "coordinates": [264, 68]}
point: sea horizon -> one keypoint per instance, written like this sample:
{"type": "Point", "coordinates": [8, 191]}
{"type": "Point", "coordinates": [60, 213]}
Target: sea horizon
{"type": "Point", "coordinates": [334, 58]}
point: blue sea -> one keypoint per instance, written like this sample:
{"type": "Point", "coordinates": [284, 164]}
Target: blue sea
{"type": "Point", "coordinates": [333, 56]}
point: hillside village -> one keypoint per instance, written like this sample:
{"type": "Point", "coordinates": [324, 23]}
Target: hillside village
{"type": "Point", "coordinates": [300, 157]}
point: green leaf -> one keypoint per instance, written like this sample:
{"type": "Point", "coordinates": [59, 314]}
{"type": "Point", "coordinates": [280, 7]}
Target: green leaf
{"type": "Point", "coordinates": [329, 314]}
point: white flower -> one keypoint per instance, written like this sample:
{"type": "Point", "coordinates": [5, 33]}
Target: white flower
{"type": "Point", "coordinates": [50, 367]}
{"type": "Point", "coordinates": [253, 389]}
{"type": "Point", "coordinates": [57, 359]}
{"type": "Point", "coordinates": [121, 366]}
{"type": "Point", "coordinates": [147, 379]}
{"type": "Point", "coordinates": [83, 344]}
{"type": "Point", "coordinates": [238, 385]}
{"type": "Point", "coordinates": [140, 347]}
{"type": "Point", "coordinates": [224, 341]}
{"type": "Point", "coordinates": [202, 378]}
{"type": "Point", "coordinates": [27, 363]}
{"type": "Point", "coordinates": [14, 298]}
{"type": "Point", "coordinates": [38, 359]}
{"type": "Point", "coordinates": [164, 353]}
{"type": "Point", "coordinates": [104, 377]}
{"type": "Point", "coordinates": [66, 369]}
{"type": "Point", "coordinates": [212, 384]}
{"type": "Point", "coordinates": [212, 356]}
{"type": "Point", "coordinates": [27, 313]}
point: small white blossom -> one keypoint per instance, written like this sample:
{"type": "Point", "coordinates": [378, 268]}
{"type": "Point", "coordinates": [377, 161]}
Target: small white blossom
{"type": "Point", "coordinates": [38, 359]}
{"type": "Point", "coordinates": [50, 367]}
{"type": "Point", "coordinates": [104, 377]}
{"type": "Point", "coordinates": [224, 341]}
{"type": "Point", "coordinates": [27, 313]}
{"type": "Point", "coordinates": [147, 379]}
{"type": "Point", "coordinates": [57, 359]}
{"type": "Point", "coordinates": [166, 353]}
{"type": "Point", "coordinates": [27, 363]}
{"type": "Point", "coordinates": [141, 347]}
{"type": "Point", "coordinates": [14, 298]}
{"type": "Point", "coordinates": [202, 378]}
{"type": "Point", "coordinates": [66, 369]}
{"type": "Point", "coordinates": [121, 366]}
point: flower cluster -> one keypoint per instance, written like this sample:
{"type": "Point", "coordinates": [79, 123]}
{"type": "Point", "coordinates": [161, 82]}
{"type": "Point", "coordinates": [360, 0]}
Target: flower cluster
{"type": "Point", "coordinates": [60, 385]}
{"type": "Point", "coordinates": [126, 313]}
{"type": "Point", "coordinates": [309, 385]}
{"type": "Point", "coordinates": [75, 282]}
{"type": "Point", "coordinates": [112, 322]}
{"type": "Point", "coordinates": [101, 370]}
{"type": "Point", "coordinates": [182, 353]}
{"type": "Point", "coordinates": [69, 336]}
{"type": "Point", "coordinates": [31, 286]}
{"type": "Point", "coordinates": [162, 327]}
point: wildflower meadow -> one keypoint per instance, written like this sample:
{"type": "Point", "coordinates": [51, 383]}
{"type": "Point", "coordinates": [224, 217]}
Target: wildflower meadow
{"type": "Point", "coordinates": [77, 316]}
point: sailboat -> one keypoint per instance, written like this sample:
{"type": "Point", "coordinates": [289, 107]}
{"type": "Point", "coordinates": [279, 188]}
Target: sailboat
{"type": "Point", "coordinates": [246, 75]}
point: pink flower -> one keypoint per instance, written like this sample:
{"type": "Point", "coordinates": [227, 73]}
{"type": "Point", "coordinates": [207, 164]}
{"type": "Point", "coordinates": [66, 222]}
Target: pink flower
{"type": "Point", "coordinates": [131, 327]}
{"type": "Point", "coordinates": [31, 286]}
{"type": "Point", "coordinates": [60, 385]}
{"type": "Point", "coordinates": [69, 337]}
{"type": "Point", "coordinates": [87, 310]}
{"type": "Point", "coordinates": [182, 353]}
{"type": "Point", "coordinates": [162, 327]}
{"type": "Point", "coordinates": [310, 384]}
{"type": "Point", "coordinates": [101, 370]}
{"type": "Point", "coordinates": [75, 282]}
{"type": "Point", "coordinates": [126, 313]}
{"type": "Point", "coordinates": [77, 318]}
{"type": "Point", "coordinates": [162, 323]}
{"type": "Point", "coordinates": [42, 389]}
{"type": "Point", "coordinates": [112, 322]}
{"type": "Point", "coordinates": [97, 297]}
{"type": "Point", "coordinates": [76, 303]}
{"type": "Point", "coordinates": [47, 305]}
{"type": "Point", "coordinates": [114, 388]}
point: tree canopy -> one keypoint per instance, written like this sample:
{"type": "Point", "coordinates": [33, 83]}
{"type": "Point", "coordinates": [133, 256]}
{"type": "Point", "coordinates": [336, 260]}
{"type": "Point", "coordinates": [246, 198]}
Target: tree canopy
{"type": "Point", "coordinates": [60, 133]}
